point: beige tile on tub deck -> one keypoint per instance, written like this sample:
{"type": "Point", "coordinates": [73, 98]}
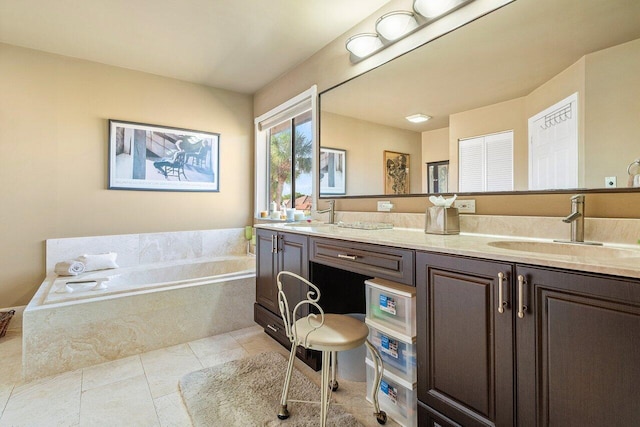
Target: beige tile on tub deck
{"type": "Point", "coordinates": [45, 402]}
{"type": "Point", "coordinates": [123, 403]}
{"type": "Point", "coordinates": [109, 372]}
{"type": "Point", "coordinates": [171, 411]}
{"type": "Point", "coordinates": [166, 366]}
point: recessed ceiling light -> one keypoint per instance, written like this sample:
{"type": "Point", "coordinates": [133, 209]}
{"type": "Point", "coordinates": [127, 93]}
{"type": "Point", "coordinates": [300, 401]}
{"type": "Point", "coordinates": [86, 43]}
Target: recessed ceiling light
{"type": "Point", "coordinates": [418, 118]}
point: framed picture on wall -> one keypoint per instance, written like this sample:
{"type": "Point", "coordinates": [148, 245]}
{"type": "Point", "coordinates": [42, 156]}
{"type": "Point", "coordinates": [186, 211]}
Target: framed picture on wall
{"type": "Point", "coordinates": [152, 157]}
{"type": "Point", "coordinates": [396, 172]}
{"type": "Point", "coordinates": [333, 171]}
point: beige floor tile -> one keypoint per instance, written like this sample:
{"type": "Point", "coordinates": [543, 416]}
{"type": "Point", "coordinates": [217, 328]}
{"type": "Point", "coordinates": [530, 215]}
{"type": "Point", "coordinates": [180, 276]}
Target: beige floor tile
{"type": "Point", "coordinates": [166, 366]}
{"type": "Point", "coordinates": [45, 402]}
{"type": "Point", "coordinates": [263, 343]}
{"type": "Point", "coordinates": [11, 363]}
{"type": "Point", "coordinates": [213, 345]}
{"type": "Point", "coordinates": [109, 372]}
{"type": "Point", "coordinates": [5, 392]}
{"type": "Point", "coordinates": [123, 403]}
{"type": "Point", "coordinates": [222, 357]}
{"type": "Point", "coordinates": [171, 411]}
{"type": "Point", "coordinates": [247, 334]}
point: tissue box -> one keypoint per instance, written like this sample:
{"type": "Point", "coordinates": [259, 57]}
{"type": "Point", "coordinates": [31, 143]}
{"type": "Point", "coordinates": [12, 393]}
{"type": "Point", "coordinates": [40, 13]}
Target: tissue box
{"type": "Point", "coordinates": [441, 220]}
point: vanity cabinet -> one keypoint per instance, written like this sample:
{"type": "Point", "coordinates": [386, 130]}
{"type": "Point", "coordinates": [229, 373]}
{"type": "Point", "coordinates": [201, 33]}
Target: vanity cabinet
{"type": "Point", "coordinates": [464, 344]}
{"type": "Point", "coordinates": [371, 260]}
{"type": "Point", "coordinates": [505, 344]}
{"type": "Point", "coordinates": [578, 349]}
{"type": "Point", "coordinates": [276, 252]}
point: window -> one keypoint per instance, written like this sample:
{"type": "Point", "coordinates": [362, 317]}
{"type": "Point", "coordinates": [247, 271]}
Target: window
{"type": "Point", "coordinates": [285, 147]}
{"type": "Point", "coordinates": [486, 163]}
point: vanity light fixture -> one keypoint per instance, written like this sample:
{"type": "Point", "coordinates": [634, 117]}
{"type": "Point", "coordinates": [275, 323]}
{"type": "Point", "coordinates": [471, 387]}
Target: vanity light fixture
{"type": "Point", "coordinates": [362, 45]}
{"type": "Point", "coordinates": [433, 8]}
{"type": "Point", "coordinates": [418, 118]}
{"type": "Point", "coordinates": [394, 25]}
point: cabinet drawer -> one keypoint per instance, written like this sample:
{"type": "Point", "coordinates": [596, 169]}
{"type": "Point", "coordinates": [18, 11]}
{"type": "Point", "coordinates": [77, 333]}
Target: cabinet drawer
{"type": "Point", "coordinates": [427, 417]}
{"type": "Point", "coordinates": [371, 260]}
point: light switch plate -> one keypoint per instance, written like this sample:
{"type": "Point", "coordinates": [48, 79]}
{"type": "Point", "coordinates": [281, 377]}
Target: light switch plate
{"type": "Point", "coordinates": [384, 206]}
{"type": "Point", "coordinates": [465, 206]}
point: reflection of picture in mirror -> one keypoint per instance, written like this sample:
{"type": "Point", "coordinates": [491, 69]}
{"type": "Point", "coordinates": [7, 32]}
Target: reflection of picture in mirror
{"type": "Point", "coordinates": [396, 173]}
{"type": "Point", "coordinates": [332, 171]}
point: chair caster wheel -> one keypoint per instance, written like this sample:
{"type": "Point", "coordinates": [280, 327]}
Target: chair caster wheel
{"type": "Point", "coordinates": [381, 417]}
{"type": "Point", "coordinates": [333, 385]}
{"type": "Point", "coordinates": [283, 414]}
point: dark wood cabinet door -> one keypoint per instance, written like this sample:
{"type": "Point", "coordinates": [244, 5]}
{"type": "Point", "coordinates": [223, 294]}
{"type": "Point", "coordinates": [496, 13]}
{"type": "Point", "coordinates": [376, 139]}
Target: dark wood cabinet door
{"type": "Point", "coordinates": [266, 267]}
{"type": "Point", "coordinates": [578, 348]}
{"type": "Point", "coordinates": [277, 252]}
{"type": "Point", "coordinates": [464, 345]}
{"type": "Point", "coordinates": [293, 256]}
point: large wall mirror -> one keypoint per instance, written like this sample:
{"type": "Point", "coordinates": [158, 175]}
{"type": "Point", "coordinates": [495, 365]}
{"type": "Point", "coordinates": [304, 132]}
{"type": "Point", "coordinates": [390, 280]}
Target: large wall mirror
{"type": "Point", "coordinates": [537, 95]}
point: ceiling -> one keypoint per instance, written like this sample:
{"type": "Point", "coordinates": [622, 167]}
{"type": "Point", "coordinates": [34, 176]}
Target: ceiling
{"type": "Point", "coordinates": [239, 45]}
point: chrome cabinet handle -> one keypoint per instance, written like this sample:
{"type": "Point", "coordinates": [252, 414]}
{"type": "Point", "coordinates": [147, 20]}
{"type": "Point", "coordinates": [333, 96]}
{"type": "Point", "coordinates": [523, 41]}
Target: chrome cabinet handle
{"type": "Point", "coordinates": [501, 302]}
{"type": "Point", "coordinates": [274, 247]}
{"type": "Point", "coordinates": [521, 307]}
{"type": "Point", "coordinates": [274, 329]}
{"type": "Point", "coordinates": [345, 256]}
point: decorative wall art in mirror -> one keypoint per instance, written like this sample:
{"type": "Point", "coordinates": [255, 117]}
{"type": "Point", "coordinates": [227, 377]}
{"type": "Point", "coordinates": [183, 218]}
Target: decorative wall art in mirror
{"type": "Point", "coordinates": [536, 68]}
{"type": "Point", "coordinates": [396, 172]}
{"type": "Point", "coordinates": [333, 170]}
{"type": "Point", "coordinates": [151, 157]}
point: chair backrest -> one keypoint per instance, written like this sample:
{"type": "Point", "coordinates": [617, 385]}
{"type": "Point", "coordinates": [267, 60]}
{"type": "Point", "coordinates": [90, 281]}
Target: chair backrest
{"type": "Point", "coordinates": [316, 320]}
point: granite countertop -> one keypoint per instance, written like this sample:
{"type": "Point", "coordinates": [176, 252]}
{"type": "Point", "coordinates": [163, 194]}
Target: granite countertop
{"type": "Point", "coordinates": [618, 260]}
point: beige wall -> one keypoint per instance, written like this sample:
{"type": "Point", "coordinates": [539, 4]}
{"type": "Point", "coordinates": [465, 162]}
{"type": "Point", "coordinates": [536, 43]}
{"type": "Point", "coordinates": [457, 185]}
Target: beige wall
{"type": "Point", "coordinates": [612, 105]}
{"type": "Point", "coordinates": [54, 139]}
{"type": "Point", "coordinates": [365, 143]}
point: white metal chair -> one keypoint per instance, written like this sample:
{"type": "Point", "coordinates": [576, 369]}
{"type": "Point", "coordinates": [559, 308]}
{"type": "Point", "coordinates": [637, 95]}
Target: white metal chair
{"type": "Point", "coordinates": [328, 333]}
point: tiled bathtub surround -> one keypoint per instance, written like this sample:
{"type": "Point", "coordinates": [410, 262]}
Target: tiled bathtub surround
{"type": "Point", "coordinates": [604, 230]}
{"type": "Point", "coordinates": [74, 334]}
{"type": "Point", "coordinates": [149, 248]}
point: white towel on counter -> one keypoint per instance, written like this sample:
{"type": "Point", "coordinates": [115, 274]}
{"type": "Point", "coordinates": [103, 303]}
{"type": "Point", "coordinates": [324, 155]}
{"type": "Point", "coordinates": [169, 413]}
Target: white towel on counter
{"type": "Point", "coordinates": [69, 268]}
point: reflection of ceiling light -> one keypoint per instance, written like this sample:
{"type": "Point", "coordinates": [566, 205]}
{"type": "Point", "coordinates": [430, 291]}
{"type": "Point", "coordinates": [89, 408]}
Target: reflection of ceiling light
{"type": "Point", "coordinates": [433, 8]}
{"type": "Point", "coordinates": [418, 118]}
{"type": "Point", "coordinates": [364, 44]}
{"type": "Point", "coordinates": [394, 25]}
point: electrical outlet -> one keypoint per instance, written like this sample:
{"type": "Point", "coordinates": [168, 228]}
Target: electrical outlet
{"type": "Point", "coordinates": [610, 182]}
{"type": "Point", "coordinates": [384, 206]}
{"type": "Point", "coordinates": [465, 206]}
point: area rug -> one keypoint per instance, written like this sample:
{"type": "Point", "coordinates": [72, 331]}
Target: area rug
{"type": "Point", "coordinates": [246, 392]}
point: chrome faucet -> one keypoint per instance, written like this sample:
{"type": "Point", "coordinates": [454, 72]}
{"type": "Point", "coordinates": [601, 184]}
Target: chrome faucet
{"type": "Point", "coordinates": [331, 210]}
{"type": "Point", "coordinates": [576, 218]}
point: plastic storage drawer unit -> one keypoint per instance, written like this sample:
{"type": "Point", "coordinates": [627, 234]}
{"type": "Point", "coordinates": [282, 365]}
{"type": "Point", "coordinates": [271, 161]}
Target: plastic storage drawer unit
{"type": "Point", "coordinates": [392, 305]}
{"type": "Point", "coordinates": [398, 355]}
{"type": "Point", "coordinates": [396, 396]}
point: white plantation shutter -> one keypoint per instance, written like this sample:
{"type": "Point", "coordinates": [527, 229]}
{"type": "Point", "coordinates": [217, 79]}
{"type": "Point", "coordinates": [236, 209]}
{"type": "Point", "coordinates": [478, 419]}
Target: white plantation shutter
{"type": "Point", "coordinates": [486, 163]}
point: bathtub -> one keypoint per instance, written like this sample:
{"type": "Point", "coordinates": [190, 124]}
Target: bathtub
{"type": "Point", "coordinates": [78, 321]}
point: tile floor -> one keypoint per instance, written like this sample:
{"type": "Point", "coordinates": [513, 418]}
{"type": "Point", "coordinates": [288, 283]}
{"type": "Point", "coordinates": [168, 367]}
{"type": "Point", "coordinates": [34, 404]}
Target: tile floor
{"type": "Point", "coordinates": [139, 390]}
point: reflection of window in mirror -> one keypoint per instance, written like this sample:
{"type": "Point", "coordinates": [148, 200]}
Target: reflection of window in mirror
{"type": "Point", "coordinates": [553, 146]}
{"type": "Point", "coordinates": [438, 176]}
{"type": "Point", "coordinates": [486, 163]}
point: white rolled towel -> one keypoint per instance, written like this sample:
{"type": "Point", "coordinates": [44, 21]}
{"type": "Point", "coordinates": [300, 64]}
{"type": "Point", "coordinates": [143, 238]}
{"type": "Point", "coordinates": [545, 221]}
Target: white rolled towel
{"type": "Point", "coordinates": [69, 268]}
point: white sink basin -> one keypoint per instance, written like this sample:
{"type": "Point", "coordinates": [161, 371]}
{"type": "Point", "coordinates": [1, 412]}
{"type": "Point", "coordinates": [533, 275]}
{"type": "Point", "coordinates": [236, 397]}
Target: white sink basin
{"type": "Point", "coordinates": [569, 249]}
